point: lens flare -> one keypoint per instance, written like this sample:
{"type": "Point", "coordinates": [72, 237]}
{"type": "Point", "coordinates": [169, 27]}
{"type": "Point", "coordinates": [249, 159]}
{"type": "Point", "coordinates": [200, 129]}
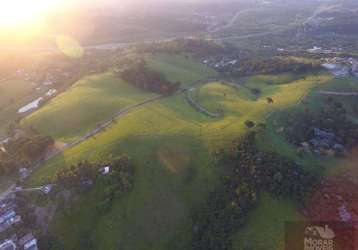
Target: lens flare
{"type": "Point", "coordinates": [70, 47]}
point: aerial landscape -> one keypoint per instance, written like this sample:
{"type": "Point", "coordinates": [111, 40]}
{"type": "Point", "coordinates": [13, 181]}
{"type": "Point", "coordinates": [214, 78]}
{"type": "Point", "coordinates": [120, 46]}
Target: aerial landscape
{"type": "Point", "coordinates": [179, 125]}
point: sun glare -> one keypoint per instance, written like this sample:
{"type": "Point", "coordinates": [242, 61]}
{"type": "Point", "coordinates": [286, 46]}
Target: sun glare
{"type": "Point", "coordinates": [23, 12]}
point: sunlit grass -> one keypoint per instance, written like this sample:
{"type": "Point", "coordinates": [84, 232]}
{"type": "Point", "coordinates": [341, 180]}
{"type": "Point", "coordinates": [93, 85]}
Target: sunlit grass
{"type": "Point", "coordinates": [157, 211]}
{"type": "Point", "coordinates": [86, 104]}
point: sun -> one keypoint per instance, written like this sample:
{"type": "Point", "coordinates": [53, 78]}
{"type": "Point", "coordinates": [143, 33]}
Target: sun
{"type": "Point", "coordinates": [15, 13]}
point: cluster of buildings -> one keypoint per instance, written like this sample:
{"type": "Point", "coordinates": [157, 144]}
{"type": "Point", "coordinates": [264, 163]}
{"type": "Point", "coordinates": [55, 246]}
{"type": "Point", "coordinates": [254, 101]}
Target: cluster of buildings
{"type": "Point", "coordinates": [46, 79]}
{"type": "Point", "coordinates": [319, 50]}
{"type": "Point", "coordinates": [26, 242]}
{"type": "Point", "coordinates": [8, 219]}
{"type": "Point", "coordinates": [323, 143]}
{"type": "Point", "coordinates": [340, 66]}
{"type": "Point", "coordinates": [221, 63]}
{"type": "Point", "coordinates": [8, 216]}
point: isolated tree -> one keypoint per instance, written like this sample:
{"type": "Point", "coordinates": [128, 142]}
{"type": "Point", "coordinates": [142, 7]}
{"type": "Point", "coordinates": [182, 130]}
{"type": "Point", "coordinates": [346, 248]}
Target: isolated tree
{"type": "Point", "coordinates": [269, 100]}
{"type": "Point", "coordinates": [249, 124]}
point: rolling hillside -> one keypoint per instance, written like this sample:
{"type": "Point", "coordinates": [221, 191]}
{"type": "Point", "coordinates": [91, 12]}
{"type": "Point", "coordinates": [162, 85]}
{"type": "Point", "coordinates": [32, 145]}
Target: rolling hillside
{"type": "Point", "coordinates": [170, 144]}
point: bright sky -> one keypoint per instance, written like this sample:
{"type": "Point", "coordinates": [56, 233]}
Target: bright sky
{"type": "Point", "coordinates": [14, 13]}
{"type": "Point", "coordinates": [23, 20]}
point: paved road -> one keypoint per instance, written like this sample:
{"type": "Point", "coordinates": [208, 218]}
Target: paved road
{"type": "Point", "coordinates": [338, 93]}
{"type": "Point", "coordinates": [112, 46]}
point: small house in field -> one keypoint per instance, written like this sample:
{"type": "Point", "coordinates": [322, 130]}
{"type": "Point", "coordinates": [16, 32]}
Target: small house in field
{"type": "Point", "coordinates": [47, 189]}
{"type": "Point", "coordinates": [23, 173]}
{"type": "Point", "coordinates": [105, 170]}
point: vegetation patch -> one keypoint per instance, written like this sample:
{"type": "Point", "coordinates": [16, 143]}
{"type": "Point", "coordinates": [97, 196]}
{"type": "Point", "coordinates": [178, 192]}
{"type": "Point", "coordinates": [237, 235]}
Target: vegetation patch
{"type": "Point", "coordinates": [141, 76]}
{"type": "Point", "coordinates": [106, 182]}
{"type": "Point", "coordinates": [274, 66]}
{"type": "Point", "coordinates": [247, 172]}
{"type": "Point", "coordinates": [22, 150]}
{"type": "Point", "coordinates": [328, 131]}
{"type": "Point", "coordinates": [197, 47]}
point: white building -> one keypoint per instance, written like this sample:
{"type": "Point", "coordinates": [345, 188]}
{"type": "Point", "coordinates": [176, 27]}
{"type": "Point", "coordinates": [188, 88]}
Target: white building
{"type": "Point", "coordinates": [28, 242]}
{"type": "Point", "coordinates": [7, 245]}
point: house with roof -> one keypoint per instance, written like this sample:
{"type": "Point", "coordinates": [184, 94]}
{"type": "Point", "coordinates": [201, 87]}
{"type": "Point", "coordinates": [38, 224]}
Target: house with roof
{"type": "Point", "coordinates": [105, 170]}
{"type": "Point", "coordinates": [23, 173]}
{"type": "Point", "coordinates": [7, 245]}
{"type": "Point", "coordinates": [7, 216]}
{"type": "Point", "coordinates": [7, 205]}
{"type": "Point", "coordinates": [28, 242]}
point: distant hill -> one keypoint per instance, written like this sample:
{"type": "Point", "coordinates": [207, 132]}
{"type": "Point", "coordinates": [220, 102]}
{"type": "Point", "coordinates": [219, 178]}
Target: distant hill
{"type": "Point", "coordinates": [339, 17]}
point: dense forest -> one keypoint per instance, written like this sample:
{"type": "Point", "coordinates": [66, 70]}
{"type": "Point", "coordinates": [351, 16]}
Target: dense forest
{"type": "Point", "coordinates": [197, 47]}
{"type": "Point", "coordinates": [24, 148]}
{"type": "Point", "coordinates": [247, 172]}
{"type": "Point", "coordinates": [271, 66]}
{"type": "Point", "coordinates": [141, 76]}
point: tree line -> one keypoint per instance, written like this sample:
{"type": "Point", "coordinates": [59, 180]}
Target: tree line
{"type": "Point", "coordinates": [196, 47]}
{"type": "Point", "coordinates": [269, 66]}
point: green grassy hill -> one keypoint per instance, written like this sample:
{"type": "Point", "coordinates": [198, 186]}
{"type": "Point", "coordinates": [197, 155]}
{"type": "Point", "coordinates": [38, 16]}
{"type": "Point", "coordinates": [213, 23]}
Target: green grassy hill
{"type": "Point", "coordinates": [180, 68]}
{"type": "Point", "coordinates": [96, 98]}
{"type": "Point", "coordinates": [89, 102]}
{"type": "Point", "coordinates": [265, 228]}
{"type": "Point", "coordinates": [170, 144]}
